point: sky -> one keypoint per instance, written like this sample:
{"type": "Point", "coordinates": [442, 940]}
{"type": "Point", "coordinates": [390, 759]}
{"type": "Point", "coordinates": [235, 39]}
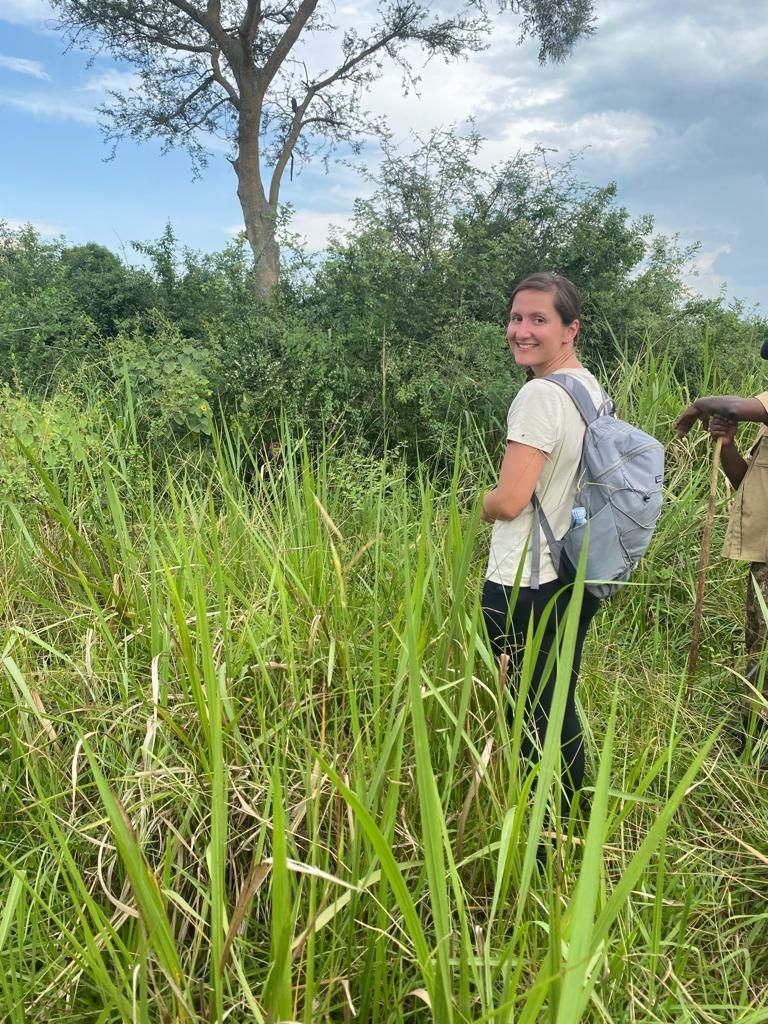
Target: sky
{"type": "Point", "coordinates": [667, 99]}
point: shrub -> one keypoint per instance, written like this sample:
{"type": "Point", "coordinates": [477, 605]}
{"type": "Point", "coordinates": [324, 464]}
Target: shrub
{"type": "Point", "coordinates": [170, 375]}
{"type": "Point", "coordinates": [61, 434]}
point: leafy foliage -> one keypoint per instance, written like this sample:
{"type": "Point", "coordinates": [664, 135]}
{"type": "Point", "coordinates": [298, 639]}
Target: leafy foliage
{"type": "Point", "coordinates": [441, 238]}
{"type": "Point", "coordinates": [103, 287]}
{"type": "Point", "coordinates": [244, 72]}
{"type": "Point", "coordinates": [394, 338]}
{"type": "Point", "coordinates": [170, 375]}
{"type": "Point", "coordinates": [58, 432]}
{"type": "Point", "coordinates": [44, 333]}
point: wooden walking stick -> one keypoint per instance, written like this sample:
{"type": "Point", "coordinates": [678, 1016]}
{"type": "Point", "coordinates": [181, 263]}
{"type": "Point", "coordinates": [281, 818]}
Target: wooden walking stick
{"type": "Point", "coordinates": [706, 543]}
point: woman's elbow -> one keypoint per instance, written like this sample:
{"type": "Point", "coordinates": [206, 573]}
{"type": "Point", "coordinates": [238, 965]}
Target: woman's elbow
{"type": "Point", "coordinates": [511, 507]}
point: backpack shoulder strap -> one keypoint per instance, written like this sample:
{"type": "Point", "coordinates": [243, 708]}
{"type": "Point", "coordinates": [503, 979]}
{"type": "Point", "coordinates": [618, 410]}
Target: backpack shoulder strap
{"type": "Point", "coordinates": [540, 522]}
{"type": "Point", "coordinates": [580, 396]}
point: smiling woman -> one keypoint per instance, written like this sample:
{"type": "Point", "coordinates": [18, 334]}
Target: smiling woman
{"type": "Point", "coordinates": [543, 323]}
{"type": "Point", "coordinates": [545, 433]}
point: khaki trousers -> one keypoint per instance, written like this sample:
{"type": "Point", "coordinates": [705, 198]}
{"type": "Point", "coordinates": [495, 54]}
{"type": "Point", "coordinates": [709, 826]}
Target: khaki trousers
{"type": "Point", "coordinates": [755, 629]}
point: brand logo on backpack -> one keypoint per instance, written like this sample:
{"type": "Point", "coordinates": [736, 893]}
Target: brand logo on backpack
{"type": "Point", "coordinates": [618, 498]}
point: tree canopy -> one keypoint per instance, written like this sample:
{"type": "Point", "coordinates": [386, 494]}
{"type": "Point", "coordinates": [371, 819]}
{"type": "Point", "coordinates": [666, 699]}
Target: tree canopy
{"type": "Point", "coordinates": [280, 82]}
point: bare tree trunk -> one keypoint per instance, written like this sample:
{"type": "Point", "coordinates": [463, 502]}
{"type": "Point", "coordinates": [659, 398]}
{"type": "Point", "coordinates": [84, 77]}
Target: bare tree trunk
{"type": "Point", "coordinates": [260, 219]}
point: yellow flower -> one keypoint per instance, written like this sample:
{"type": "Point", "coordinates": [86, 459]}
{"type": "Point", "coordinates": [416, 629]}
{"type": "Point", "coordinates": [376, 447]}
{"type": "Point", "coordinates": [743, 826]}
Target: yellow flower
{"type": "Point", "coordinates": [203, 407]}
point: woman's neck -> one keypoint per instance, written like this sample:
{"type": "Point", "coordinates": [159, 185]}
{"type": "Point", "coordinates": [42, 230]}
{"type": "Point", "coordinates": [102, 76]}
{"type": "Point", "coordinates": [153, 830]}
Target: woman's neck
{"type": "Point", "coordinates": [566, 362]}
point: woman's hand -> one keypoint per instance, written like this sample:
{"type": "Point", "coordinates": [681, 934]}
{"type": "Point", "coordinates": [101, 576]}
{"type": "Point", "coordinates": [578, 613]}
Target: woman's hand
{"type": "Point", "coordinates": [484, 515]}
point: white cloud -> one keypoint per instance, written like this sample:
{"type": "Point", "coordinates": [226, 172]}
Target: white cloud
{"type": "Point", "coordinates": [703, 276]}
{"type": "Point", "coordinates": [695, 49]}
{"type": "Point", "coordinates": [313, 226]}
{"type": "Point", "coordinates": [119, 81]}
{"type": "Point", "coordinates": [25, 12]}
{"type": "Point", "coordinates": [41, 227]}
{"type": "Point", "coordinates": [75, 104]}
{"type": "Point", "coordinates": [58, 108]}
{"type": "Point", "coordinates": [622, 134]}
{"type": "Point", "coordinates": [24, 67]}
{"type": "Point", "coordinates": [700, 273]}
{"type": "Point", "coordinates": [446, 95]}
{"type": "Point", "coordinates": [615, 137]}
{"type": "Point", "coordinates": [528, 98]}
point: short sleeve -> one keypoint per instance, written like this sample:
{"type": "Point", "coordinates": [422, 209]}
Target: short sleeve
{"type": "Point", "coordinates": [535, 417]}
{"type": "Point", "coordinates": [763, 399]}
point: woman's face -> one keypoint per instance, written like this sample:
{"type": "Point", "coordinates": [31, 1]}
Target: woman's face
{"type": "Point", "coordinates": [537, 337]}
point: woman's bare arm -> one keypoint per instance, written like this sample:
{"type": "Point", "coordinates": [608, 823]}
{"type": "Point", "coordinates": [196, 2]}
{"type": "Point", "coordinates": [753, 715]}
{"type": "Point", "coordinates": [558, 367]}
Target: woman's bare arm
{"type": "Point", "coordinates": [520, 472]}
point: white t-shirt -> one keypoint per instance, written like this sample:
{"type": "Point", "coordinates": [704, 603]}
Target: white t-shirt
{"type": "Point", "coordinates": [542, 416]}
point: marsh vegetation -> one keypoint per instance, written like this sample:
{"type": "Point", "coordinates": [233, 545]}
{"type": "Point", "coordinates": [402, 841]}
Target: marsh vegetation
{"type": "Point", "coordinates": [257, 765]}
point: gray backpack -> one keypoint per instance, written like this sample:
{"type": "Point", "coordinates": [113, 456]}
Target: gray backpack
{"type": "Point", "coordinates": [618, 498]}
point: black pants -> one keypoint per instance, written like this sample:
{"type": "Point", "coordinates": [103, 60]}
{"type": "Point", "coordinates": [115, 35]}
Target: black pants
{"type": "Point", "coordinates": [507, 631]}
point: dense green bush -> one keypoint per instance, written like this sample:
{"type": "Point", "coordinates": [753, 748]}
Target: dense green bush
{"type": "Point", "coordinates": [103, 287]}
{"type": "Point", "coordinates": [170, 375]}
{"type": "Point", "coordinates": [394, 338]}
{"type": "Point", "coordinates": [47, 437]}
{"type": "Point", "coordinates": [45, 334]}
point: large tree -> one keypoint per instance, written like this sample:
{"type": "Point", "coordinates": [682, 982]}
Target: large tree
{"type": "Point", "coordinates": [278, 80]}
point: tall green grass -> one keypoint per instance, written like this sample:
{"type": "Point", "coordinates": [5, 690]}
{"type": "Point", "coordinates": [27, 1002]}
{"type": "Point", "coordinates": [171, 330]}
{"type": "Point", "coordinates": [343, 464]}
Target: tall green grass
{"type": "Point", "coordinates": [257, 763]}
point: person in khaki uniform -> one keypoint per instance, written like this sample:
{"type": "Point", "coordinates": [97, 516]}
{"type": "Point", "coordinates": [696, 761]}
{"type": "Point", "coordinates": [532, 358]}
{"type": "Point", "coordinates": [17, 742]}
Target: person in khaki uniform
{"type": "Point", "coordinates": [747, 535]}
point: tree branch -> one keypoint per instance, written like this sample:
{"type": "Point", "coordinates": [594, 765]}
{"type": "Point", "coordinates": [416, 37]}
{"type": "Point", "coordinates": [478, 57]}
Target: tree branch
{"type": "Point", "coordinates": [250, 22]}
{"type": "Point", "coordinates": [208, 21]}
{"type": "Point", "coordinates": [348, 65]}
{"type": "Point", "coordinates": [156, 35]}
{"type": "Point", "coordinates": [179, 112]}
{"type": "Point", "coordinates": [200, 121]}
{"type": "Point", "coordinates": [281, 163]}
{"type": "Point", "coordinates": [298, 121]}
{"type": "Point", "coordinates": [191, 11]}
{"type": "Point", "coordinates": [284, 45]}
{"type": "Point", "coordinates": [174, 44]}
{"type": "Point", "coordinates": [223, 81]}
